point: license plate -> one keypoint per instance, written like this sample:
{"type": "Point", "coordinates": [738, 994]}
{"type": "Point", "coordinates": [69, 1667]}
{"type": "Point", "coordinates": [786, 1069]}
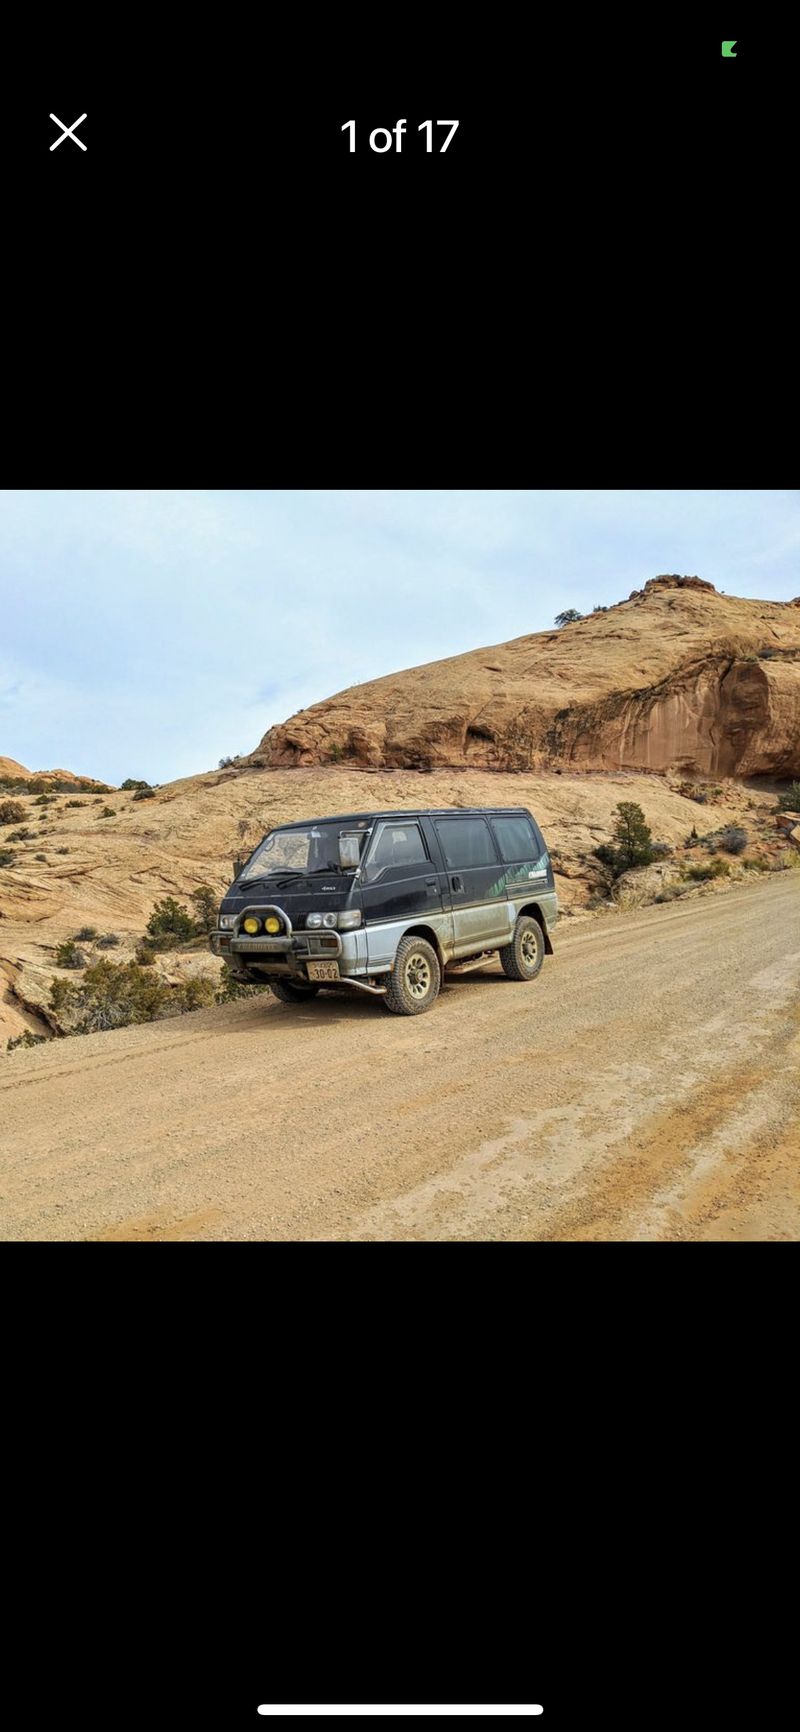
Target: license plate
{"type": "Point", "coordinates": [323, 971]}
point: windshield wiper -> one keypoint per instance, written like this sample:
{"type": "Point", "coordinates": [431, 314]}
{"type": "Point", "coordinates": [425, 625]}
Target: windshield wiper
{"type": "Point", "coordinates": [278, 878]}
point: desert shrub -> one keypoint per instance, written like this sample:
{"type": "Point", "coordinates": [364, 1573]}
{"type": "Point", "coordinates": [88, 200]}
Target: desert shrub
{"type": "Point", "coordinates": [107, 812]}
{"type": "Point", "coordinates": [229, 988]}
{"type": "Point", "coordinates": [23, 835]}
{"type": "Point", "coordinates": [632, 834]}
{"type": "Point", "coordinates": [109, 941]}
{"type": "Point", "coordinates": [60, 850]}
{"type": "Point", "coordinates": [131, 783]}
{"type": "Point", "coordinates": [194, 993]}
{"type": "Point", "coordinates": [335, 753]}
{"type": "Point", "coordinates": [790, 801]}
{"type": "Point", "coordinates": [171, 918]}
{"type": "Point", "coordinates": [661, 850]}
{"type": "Point", "coordinates": [756, 865]}
{"type": "Point", "coordinates": [145, 794]}
{"type": "Point", "coordinates": [599, 609]}
{"type": "Point", "coordinates": [40, 857]}
{"type": "Point", "coordinates": [26, 1039]}
{"type": "Point", "coordinates": [733, 839]}
{"type": "Point", "coordinates": [670, 892]}
{"type": "Point", "coordinates": [7, 857]}
{"type": "Point", "coordinates": [787, 860]}
{"type": "Point", "coordinates": [69, 956]}
{"type": "Point", "coordinates": [608, 856]}
{"type": "Point", "coordinates": [701, 873]}
{"type": "Point", "coordinates": [44, 800]}
{"type": "Point", "coordinates": [225, 763]}
{"type": "Point", "coordinates": [113, 995]}
{"type": "Point", "coordinates": [85, 936]}
{"type": "Point", "coordinates": [145, 953]}
{"type": "Point", "coordinates": [11, 811]}
{"type": "Point", "coordinates": [76, 802]}
{"type": "Point", "coordinates": [568, 617]}
{"type": "Point", "coordinates": [206, 904]}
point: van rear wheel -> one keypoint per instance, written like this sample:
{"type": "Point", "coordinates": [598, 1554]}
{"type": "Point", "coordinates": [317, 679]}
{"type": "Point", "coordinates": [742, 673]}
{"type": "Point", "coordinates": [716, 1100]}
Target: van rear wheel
{"type": "Point", "coordinates": [289, 993]}
{"type": "Point", "coordinates": [414, 982]}
{"type": "Point", "coordinates": [523, 957]}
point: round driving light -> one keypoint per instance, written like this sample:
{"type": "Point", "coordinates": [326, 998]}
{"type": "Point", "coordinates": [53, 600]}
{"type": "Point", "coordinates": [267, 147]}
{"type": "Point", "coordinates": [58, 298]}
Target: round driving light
{"type": "Point", "coordinates": [272, 923]}
{"type": "Point", "coordinates": [314, 920]}
{"type": "Point", "coordinates": [329, 919]}
{"type": "Point", "coordinates": [251, 925]}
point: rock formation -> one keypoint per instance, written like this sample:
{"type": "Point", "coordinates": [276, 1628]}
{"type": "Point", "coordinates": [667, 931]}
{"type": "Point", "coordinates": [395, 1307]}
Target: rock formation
{"type": "Point", "coordinates": [678, 677]}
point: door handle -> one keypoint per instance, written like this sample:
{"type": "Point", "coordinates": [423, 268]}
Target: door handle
{"type": "Point", "coordinates": [432, 883]}
{"type": "Point", "coordinates": [457, 882]}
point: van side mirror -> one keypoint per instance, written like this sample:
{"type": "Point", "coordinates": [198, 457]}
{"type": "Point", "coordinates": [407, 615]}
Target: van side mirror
{"type": "Point", "coordinates": [238, 866]}
{"type": "Point", "coordinates": [349, 852]}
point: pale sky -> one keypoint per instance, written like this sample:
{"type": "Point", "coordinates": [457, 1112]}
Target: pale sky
{"type": "Point", "coordinates": [149, 634]}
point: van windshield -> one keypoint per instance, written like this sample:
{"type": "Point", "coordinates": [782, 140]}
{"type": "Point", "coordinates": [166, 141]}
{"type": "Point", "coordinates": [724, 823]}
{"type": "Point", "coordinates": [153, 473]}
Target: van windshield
{"type": "Point", "coordinates": [307, 849]}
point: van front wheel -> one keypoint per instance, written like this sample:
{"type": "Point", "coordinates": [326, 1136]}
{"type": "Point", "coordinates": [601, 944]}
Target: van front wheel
{"type": "Point", "coordinates": [523, 957]}
{"type": "Point", "coordinates": [414, 982]}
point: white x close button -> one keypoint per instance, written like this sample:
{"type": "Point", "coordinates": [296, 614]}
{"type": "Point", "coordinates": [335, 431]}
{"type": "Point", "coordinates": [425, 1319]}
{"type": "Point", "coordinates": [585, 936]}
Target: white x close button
{"type": "Point", "coordinates": [68, 132]}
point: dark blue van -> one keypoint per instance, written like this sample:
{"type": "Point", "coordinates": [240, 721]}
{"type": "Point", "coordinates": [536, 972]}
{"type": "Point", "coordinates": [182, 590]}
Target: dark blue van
{"type": "Point", "coordinates": [387, 901]}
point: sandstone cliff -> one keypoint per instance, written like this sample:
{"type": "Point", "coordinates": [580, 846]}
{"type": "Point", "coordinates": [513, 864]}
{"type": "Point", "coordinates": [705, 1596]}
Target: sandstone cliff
{"type": "Point", "coordinates": [678, 677]}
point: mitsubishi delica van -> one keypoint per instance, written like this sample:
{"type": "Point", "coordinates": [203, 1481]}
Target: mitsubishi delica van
{"type": "Point", "coordinates": [387, 902]}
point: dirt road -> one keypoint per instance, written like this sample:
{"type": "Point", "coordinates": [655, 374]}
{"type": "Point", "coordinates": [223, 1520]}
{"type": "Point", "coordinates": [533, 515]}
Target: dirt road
{"type": "Point", "coordinates": [645, 1087]}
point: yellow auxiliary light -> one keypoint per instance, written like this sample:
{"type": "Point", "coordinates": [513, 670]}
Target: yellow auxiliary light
{"type": "Point", "coordinates": [272, 923]}
{"type": "Point", "coordinates": [251, 924]}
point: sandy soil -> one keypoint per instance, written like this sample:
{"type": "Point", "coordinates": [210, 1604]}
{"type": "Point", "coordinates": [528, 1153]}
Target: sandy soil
{"type": "Point", "coordinates": [645, 1087]}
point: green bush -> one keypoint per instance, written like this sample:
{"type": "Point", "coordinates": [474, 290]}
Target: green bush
{"type": "Point", "coordinates": [787, 860]}
{"type": "Point", "coordinates": [85, 936]}
{"type": "Point", "coordinates": [145, 794]}
{"type": "Point", "coordinates": [108, 941]}
{"type": "Point", "coordinates": [23, 835]}
{"type": "Point", "coordinates": [114, 995]}
{"type": "Point", "coordinates": [206, 903]}
{"type": "Point", "coordinates": [130, 783]}
{"type": "Point", "coordinates": [26, 1039]}
{"type": "Point", "coordinates": [44, 800]}
{"type": "Point", "coordinates": [790, 801]}
{"type": "Point", "coordinates": [76, 802]}
{"type": "Point", "coordinates": [107, 812]}
{"type": "Point", "coordinates": [568, 617]}
{"type": "Point", "coordinates": [701, 874]}
{"type": "Point", "coordinates": [41, 857]}
{"type": "Point", "coordinates": [229, 988]}
{"type": "Point", "coordinates": [145, 953]}
{"type": "Point", "coordinates": [7, 857]}
{"type": "Point", "coordinates": [69, 956]}
{"type": "Point", "coordinates": [632, 834]}
{"type": "Point", "coordinates": [171, 918]}
{"type": "Point", "coordinates": [11, 811]}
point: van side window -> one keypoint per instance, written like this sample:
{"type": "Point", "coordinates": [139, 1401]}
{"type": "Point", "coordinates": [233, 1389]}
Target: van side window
{"type": "Point", "coordinates": [399, 845]}
{"type": "Point", "coordinates": [466, 842]}
{"type": "Point", "coordinates": [516, 838]}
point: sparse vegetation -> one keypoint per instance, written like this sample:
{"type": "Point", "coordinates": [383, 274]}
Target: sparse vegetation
{"type": "Point", "coordinates": [60, 850]}
{"type": "Point", "coordinates": [107, 812]}
{"type": "Point", "coordinates": [229, 988]}
{"type": "Point", "coordinates": [568, 617]}
{"type": "Point", "coordinates": [41, 857]}
{"type": "Point", "coordinates": [11, 811]}
{"type": "Point", "coordinates": [7, 857]}
{"type": "Point", "coordinates": [206, 904]}
{"type": "Point", "coordinates": [130, 783]}
{"type": "Point", "coordinates": [25, 1039]}
{"type": "Point", "coordinates": [145, 794]}
{"type": "Point", "coordinates": [69, 956]}
{"type": "Point", "coordinates": [171, 919]}
{"type": "Point", "coordinates": [76, 803]}
{"type": "Point", "coordinates": [85, 936]}
{"type": "Point", "coordinates": [790, 801]}
{"type": "Point", "coordinates": [145, 953]}
{"type": "Point", "coordinates": [113, 995]}
{"type": "Point", "coordinates": [705, 870]}
{"type": "Point", "coordinates": [632, 834]}
{"type": "Point", "coordinates": [226, 763]}
{"type": "Point", "coordinates": [109, 941]}
{"type": "Point", "coordinates": [787, 860]}
{"type": "Point", "coordinates": [44, 800]}
{"type": "Point", "coordinates": [733, 839]}
{"type": "Point", "coordinates": [23, 835]}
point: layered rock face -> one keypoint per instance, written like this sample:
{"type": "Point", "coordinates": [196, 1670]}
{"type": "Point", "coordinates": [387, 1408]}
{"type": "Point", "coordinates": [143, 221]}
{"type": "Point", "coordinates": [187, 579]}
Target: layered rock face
{"type": "Point", "coordinates": [678, 677]}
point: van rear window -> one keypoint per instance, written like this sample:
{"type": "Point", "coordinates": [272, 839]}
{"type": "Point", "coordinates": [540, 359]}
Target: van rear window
{"type": "Point", "coordinates": [466, 842]}
{"type": "Point", "coordinates": [516, 839]}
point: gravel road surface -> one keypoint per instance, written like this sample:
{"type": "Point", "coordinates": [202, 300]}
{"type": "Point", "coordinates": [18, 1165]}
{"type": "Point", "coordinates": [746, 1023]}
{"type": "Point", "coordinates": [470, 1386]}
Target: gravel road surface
{"type": "Point", "coordinates": [646, 1086]}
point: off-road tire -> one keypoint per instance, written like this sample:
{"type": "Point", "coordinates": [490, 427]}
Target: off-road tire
{"type": "Point", "coordinates": [414, 982]}
{"type": "Point", "coordinates": [523, 957]}
{"type": "Point", "coordinates": [289, 993]}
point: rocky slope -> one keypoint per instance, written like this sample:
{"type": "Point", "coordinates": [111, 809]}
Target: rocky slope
{"type": "Point", "coordinates": [78, 867]}
{"type": "Point", "coordinates": [11, 771]}
{"type": "Point", "coordinates": [679, 677]}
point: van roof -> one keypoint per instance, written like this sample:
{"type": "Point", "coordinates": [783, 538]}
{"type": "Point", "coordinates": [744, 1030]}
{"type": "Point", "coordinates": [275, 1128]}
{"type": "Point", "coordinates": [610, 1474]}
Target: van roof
{"type": "Point", "coordinates": [409, 812]}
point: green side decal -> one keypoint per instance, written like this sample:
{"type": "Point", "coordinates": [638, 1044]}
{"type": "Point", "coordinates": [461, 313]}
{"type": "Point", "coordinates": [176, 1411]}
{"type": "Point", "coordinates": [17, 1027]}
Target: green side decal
{"type": "Point", "coordinates": [727, 50]}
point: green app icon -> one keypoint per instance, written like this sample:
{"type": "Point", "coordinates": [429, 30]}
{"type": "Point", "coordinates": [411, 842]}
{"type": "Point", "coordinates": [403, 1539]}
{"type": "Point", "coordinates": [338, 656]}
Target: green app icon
{"type": "Point", "coordinates": [727, 50]}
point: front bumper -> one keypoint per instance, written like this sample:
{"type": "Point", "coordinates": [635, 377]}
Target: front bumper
{"type": "Point", "coordinates": [286, 954]}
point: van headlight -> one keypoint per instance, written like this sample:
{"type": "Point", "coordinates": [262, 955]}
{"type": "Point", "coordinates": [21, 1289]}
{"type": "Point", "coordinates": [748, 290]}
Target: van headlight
{"type": "Point", "coordinates": [349, 918]}
{"type": "Point", "coordinates": [226, 920]}
{"type": "Point", "coordinates": [313, 920]}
